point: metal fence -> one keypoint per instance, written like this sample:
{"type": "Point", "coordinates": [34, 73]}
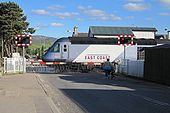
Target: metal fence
{"type": "Point", "coordinates": [132, 67]}
{"type": "Point", "coordinates": [14, 65]}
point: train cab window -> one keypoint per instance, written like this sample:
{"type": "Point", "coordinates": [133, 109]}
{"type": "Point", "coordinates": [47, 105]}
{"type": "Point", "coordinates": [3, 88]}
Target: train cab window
{"type": "Point", "coordinates": [65, 48]}
{"type": "Point", "coordinates": [57, 48]}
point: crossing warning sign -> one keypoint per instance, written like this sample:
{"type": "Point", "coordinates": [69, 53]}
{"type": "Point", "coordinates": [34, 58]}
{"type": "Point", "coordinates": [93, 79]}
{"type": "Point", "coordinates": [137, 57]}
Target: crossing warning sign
{"type": "Point", "coordinates": [23, 40]}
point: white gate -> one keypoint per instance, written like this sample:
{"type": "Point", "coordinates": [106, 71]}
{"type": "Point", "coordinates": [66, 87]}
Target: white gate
{"type": "Point", "coordinates": [14, 65]}
{"type": "Point", "coordinates": [132, 67]}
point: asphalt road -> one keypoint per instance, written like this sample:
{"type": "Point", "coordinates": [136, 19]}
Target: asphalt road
{"type": "Point", "coordinates": [96, 94]}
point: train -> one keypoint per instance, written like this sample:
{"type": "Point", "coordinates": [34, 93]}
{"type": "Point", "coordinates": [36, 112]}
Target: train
{"type": "Point", "coordinates": [87, 51]}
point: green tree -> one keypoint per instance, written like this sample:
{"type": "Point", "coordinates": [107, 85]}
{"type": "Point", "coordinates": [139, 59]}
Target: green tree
{"type": "Point", "coordinates": [31, 30]}
{"type": "Point", "coordinates": [12, 22]}
{"type": "Point", "coordinates": [42, 50]}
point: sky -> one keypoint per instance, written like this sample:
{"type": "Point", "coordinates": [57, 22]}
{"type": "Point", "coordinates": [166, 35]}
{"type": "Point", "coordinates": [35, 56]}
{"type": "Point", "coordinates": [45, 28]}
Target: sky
{"type": "Point", "coordinates": [56, 18]}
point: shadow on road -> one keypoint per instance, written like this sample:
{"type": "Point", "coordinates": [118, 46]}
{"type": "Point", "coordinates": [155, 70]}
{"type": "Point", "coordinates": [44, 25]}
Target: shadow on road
{"type": "Point", "coordinates": [120, 95]}
{"type": "Point", "coordinates": [112, 101]}
{"type": "Point", "coordinates": [100, 79]}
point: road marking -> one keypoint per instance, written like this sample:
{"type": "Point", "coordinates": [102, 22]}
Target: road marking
{"type": "Point", "coordinates": [152, 100]}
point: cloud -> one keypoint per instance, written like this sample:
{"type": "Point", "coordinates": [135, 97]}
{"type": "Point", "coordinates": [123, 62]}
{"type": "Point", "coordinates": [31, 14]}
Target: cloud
{"type": "Point", "coordinates": [40, 12]}
{"type": "Point", "coordinates": [55, 7]}
{"type": "Point", "coordinates": [98, 14]}
{"type": "Point", "coordinates": [135, 7]}
{"type": "Point", "coordinates": [166, 2]}
{"type": "Point", "coordinates": [164, 14]}
{"type": "Point", "coordinates": [80, 19]}
{"type": "Point", "coordinates": [135, 0]}
{"type": "Point", "coordinates": [148, 18]}
{"type": "Point", "coordinates": [130, 17]}
{"type": "Point", "coordinates": [57, 24]}
{"type": "Point", "coordinates": [40, 26]}
{"type": "Point", "coordinates": [65, 14]}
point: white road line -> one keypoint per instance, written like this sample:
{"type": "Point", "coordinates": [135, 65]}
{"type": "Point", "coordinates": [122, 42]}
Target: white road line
{"type": "Point", "coordinates": [152, 100]}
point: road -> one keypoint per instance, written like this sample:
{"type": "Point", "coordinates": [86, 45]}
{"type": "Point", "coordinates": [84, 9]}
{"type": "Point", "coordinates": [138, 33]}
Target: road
{"type": "Point", "coordinates": [96, 94]}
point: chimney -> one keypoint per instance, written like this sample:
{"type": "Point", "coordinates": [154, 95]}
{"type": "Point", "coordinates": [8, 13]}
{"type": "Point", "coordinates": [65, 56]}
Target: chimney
{"type": "Point", "coordinates": [75, 31]}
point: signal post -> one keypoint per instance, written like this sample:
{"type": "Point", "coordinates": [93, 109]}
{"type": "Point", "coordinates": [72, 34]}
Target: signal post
{"type": "Point", "coordinates": [23, 40]}
{"type": "Point", "coordinates": [125, 40]}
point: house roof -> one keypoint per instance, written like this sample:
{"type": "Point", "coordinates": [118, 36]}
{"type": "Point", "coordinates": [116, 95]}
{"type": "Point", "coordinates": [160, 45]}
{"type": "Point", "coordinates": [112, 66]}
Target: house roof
{"type": "Point", "coordinates": [103, 30]}
{"type": "Point", "coordinates": [108, 30]}
{"type": "Point", "coordinates": [143, 29]}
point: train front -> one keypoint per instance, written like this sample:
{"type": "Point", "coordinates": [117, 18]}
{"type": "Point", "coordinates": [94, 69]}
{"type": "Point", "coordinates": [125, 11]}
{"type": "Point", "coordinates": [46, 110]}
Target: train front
{"type": "Point", "coordinates": [55, 52]}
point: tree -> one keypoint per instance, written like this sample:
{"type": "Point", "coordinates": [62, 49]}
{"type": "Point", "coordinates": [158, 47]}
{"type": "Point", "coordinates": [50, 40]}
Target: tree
{"type": "Point", "coordinates": [42, 50]}
{"type": "Point", "coordinates": [31, 30]}
{"type": "Point", "coordinates": [12, 22]}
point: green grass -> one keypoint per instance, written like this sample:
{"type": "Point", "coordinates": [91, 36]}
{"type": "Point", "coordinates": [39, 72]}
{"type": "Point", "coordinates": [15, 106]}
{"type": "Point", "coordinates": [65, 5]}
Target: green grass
{"type": "Point", "coordinates": [35, 46]}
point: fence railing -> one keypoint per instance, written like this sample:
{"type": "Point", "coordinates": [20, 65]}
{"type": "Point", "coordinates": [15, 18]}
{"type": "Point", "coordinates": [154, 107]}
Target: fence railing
{"type": "Point", "coordinates": [132, 67]}
{"type": "Point", "coordinates": [14, 65]}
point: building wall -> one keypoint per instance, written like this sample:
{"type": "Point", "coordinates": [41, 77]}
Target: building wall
{"type": "Point", "coordinates": [144, 34]}
{"type": "Point", "coordinates": [138, 34]}
{"type": "Point", "coordinates": [105, 36]}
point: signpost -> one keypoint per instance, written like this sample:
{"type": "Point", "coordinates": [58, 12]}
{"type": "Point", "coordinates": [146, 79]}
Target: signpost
{"type": "Point", "coordinates": [125, 40]}
{"type": "Point", "coordinates": [23, 40]}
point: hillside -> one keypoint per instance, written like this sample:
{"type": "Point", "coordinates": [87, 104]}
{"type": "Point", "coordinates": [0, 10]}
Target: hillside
{"type": "Point", "coordinates": [39, 40]}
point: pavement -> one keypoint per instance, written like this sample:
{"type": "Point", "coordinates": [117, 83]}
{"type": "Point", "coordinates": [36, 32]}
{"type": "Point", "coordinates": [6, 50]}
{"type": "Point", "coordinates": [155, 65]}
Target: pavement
{"type": "Point", "coordinates": [23, 93]}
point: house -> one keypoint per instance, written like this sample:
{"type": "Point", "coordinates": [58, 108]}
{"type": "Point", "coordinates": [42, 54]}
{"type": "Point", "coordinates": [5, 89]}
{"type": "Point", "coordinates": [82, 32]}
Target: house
{"type": "Point", "coordinates": [114, 32]}
{"type": "Point", "coordinates": [78, 34]}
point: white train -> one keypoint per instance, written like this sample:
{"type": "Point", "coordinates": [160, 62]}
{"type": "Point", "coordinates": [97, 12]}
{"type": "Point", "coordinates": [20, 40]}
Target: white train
{"type": "Point", "coordinates": [88, 51]}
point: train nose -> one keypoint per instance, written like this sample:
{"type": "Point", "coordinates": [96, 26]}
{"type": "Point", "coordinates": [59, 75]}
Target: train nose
{"type": "Point", "coordinates": [44, 58]}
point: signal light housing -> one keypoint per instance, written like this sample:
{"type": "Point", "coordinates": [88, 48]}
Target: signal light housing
{"type": "Point", "coordinates": [125, 40]}
{"type": "Point", "coordinates": [23, 40]}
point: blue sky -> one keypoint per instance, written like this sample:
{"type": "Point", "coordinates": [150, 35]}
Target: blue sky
{"type": "Point", "coordinates": [56, 17]}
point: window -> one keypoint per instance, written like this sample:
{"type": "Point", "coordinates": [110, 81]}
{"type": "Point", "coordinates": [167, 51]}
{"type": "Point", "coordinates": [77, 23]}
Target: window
{"type": "Point", "coordinates": [140, 53]}
{"type": "Point", "coordinates": [65, 48]}
{"type": "Point", "coordinates": [56, 48]}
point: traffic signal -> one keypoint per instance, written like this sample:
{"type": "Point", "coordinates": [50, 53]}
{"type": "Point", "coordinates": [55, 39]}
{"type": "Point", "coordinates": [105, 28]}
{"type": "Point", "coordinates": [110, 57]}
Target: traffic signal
{"type": "Point", "coordinates": [23, 40]}
{"type": "Point", "coordinates": [125, 40]}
